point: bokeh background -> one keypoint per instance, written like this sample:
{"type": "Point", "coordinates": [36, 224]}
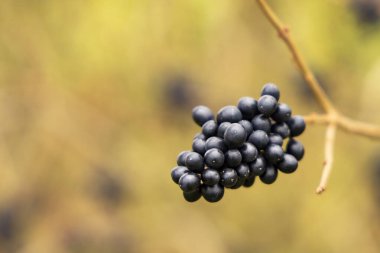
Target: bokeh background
{"type": "Point", "coordinates": [95, 105]}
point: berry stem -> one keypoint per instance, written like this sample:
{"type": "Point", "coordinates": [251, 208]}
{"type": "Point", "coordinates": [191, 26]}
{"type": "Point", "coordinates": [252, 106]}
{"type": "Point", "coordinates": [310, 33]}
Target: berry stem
{"type": "Point", "coordinates": [332, 116]}
{"type": "Point", "coordinates": [329, 157]}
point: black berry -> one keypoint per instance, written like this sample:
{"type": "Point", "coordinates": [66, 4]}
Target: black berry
{"type": "Point", "coordinates": [289, 164]}
{"type": "Point", "coordinates": [202, 114]}
{"type": "Point", "coordinates": [192, 196]}
{"type": "Point", "coordinates": [274, 153]}
{"type": "Point", "coordinates": [270, 175]}
{"type": "Point", "coordinates": [210, 177]}
{"type": "Point", "coordinates": [178, 172]}
{"type": "Point", "coordinates": [181, 158]}
{"type": "Point", "coordinates": [214, 158]}
{"type": "Point", "coordinates": [229, 114]}
{"type": "Point", "coordinates": [296, 125]}
{"type": "Point", "coordinates": [259, 138]}
{"type": "Point", "coordinates": [282, 113]}
{"type": "Point", "coordinates": [247, 126]}
{"type": "Point", "coordinates": [248, 107]}
{"type": "Point", "coordinates": [222, 129]}
{"type": "Point", "coordinates": [281, 129]}
{"type": "Point", "coordinates": [212, 193]}
{"type": "Point", "coordinates": [295, 148]}
{"type": "Point", "coordinates": [189, 182]}
{"type": "Point", "coordinates": [209, 128]}
{"type": "Point", "coordinates": [199, 146]}
{"type": "Point", "coordinates": [194, 162]}
{"type": "Point", "coordinates": [235, 135]}
{"type": "Point", "coordinates": [249, 152]}
{"type": "Point", "coordinates": [260, 122]}
{"type": "Point", "coordinates": [272, 90]}
{"type": "Point", "coordinates": [243, 171]}
{"type": "Point", "coordinates": [258, 167]}
{"type": "Point", "coordinates": [216, 142]}
{"type": "Point", "coordinates": [267, 105]}
{"type": "Point", "coordinates": [249, 182]}
{"type": "Point", "coordinates": [228, 177]}
{"type": "Point", "coordinates": [275, 139]}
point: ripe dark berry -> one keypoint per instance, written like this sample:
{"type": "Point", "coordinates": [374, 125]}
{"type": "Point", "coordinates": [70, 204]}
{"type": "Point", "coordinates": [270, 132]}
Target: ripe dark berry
{"type": "Point", "coordinates": [247, 126]}
{"type": "Point", "coordinates": [260, 122]}
{"type": "Point", "coordinates": [216, 142]}
{"type": "Point", "coordinates": [270, 175]}
{"type": "Point", "coordinates": [199, 146]}
{"type": "Point", "coordinates": [243, 171]}
{"type": "Point", "coordinates": [295, 148]}
{"type": "Point", "coordinates": [296, 125]}
{"type": "Point", "coordinates": [178, 172]}
{"type": "Point", "coordinates": [202, 114]}
{"type": "Point", "coordinates": [212, 193]}
{"type": "Point", "coordinates": [228, 177]}
{"type": "Point", "coordinates": [281, 129]}
{"type": "Point", "coordinates": [229, 114]}
{"type": "Point", "coordinates": [209, 128]}
{"type": "Point", "coordinates": [258, 167]}
{"type": "Point", "coordinates": [192, 196]}
{"type": "Point", "coordinates": [240, 181]}
{"type": "Point", "coordinates": [282, 113]}
{"type": "Point", "coordinates": [289, 164]}
{"type": "Point", "coordinates": [249, 152]}
{"type": "Point", "coordinates": [259, 138]}
{"type": "Point", "coordinates": [267, 105]}
{"type": "Point", "coordinates": [249, 182]}
{"type": "Point", "coordinates": [200, 136]}
{"type": "Point", "coordinates": [233, 158]}
{"type": "Point", "coordinates": [274, 153]}
{"type": "Point", "coordinates": [194, 162]}
{"type": "Point", "coordinates": [181, 158]}
{"type": "Point", "coordinates": [222, 129]}
{"type": "Point", "coordinates": [272, 90]}
{"type": "Point", "coordinates": [235, 135]}
{"type": "Point", "coordinates": [248, 107]}
{"type": "Point", "coordinates": [275, 139]}
{"type": "Point", "coordinates": [214, 158]}
{"type": "Point", "coordinates": [189, 182]}
{"type": "Point", "coordinates": [210, 177]}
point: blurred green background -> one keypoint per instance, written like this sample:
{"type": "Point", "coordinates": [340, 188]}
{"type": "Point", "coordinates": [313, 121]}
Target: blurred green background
{"type": "Point", "coordinates": [95, 105]}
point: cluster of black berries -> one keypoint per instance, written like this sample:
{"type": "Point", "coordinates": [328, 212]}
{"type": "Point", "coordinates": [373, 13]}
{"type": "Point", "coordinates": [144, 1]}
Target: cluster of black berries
{"type": "Point", "coordinates": [245, 141]}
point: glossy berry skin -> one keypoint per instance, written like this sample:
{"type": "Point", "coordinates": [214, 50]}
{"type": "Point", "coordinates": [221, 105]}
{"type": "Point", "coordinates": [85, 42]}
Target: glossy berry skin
{"type": "Point", "coordinates": [259, 138]}
{"type": "Point", "coordinates": [235, 135]}
{"type": "Point", "coordinates": [248, 107]}
{"type": "Point", "coordinates": [249, 152]}
{"type": "Point", "coordinates": [232, 158]}
{"type": "Point", "coordinates": [249, 182]}
{"type": "Point", "coordinates": [260, 122]}
{"type": "Point", "coordinates": [258, 167]}
{"type": "Point", "coordinates": [270, 175]}
{"type": "Point", "coordinates": [229, 114]}
{"type": "Point", "coordinates": [202, 114]}
{"type": "Point", "coordinates": [243, 171]}
{"type": "Point", "coordinates": [296, 125]}
{"type": "Point", "coordinates": [216, 142]}
{"type": "Point", "coordinates": [222, 129]}
{"type": "Point", "coordinates": [178, 172]}
{"type": "Point", "coordinates": [275, 139]}
{"type": "Point", "coordinates": [272, 90]}
{"type": "Point", "coordinates": [210, 177]}
{"type": "Point", "coordinates": [295, 148]}
{"type": "Point", "coordinates": [238, 184]}
{"type": "Point", "coordinates": [282, 129]}
{"type": "Point", "coordinates": [288, 164]}
{"type": "Point", "coordinates": [282, 113]}
{"type": "Point", "coordinates": [209, 128]}
{"type": "Point", "coordinates": [189, 182]}
{"type": "Point", "coordinates": [199, 146]}
{"type": "Point", "coordinates": [247, 126]}
{"type": "Point", "coordinates": [181, 158]}
{"type": "Point", "coordinates": [214, 158]}
{"type": "Point", "coordinates": [228, 177]}
{"type": "Point", "coordinates": [200, 136]}
{"type": "Point", "coordinates": [267, 105]}
{"type": "Point", "coordinates": [274, 153]}
{"type": "Point", "coordinates": [212, 193]}
{"type": "Point", "coordinates": [192, 196]}
{"type": "Point", "coordinates": [194, 162]}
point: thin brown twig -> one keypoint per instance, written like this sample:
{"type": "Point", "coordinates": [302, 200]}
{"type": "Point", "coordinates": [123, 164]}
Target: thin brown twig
{"type": "Point", "coordinates": [332, 117]}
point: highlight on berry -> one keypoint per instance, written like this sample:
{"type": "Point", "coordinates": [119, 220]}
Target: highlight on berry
{"type": "Point", "coordinates": [254, 139]}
